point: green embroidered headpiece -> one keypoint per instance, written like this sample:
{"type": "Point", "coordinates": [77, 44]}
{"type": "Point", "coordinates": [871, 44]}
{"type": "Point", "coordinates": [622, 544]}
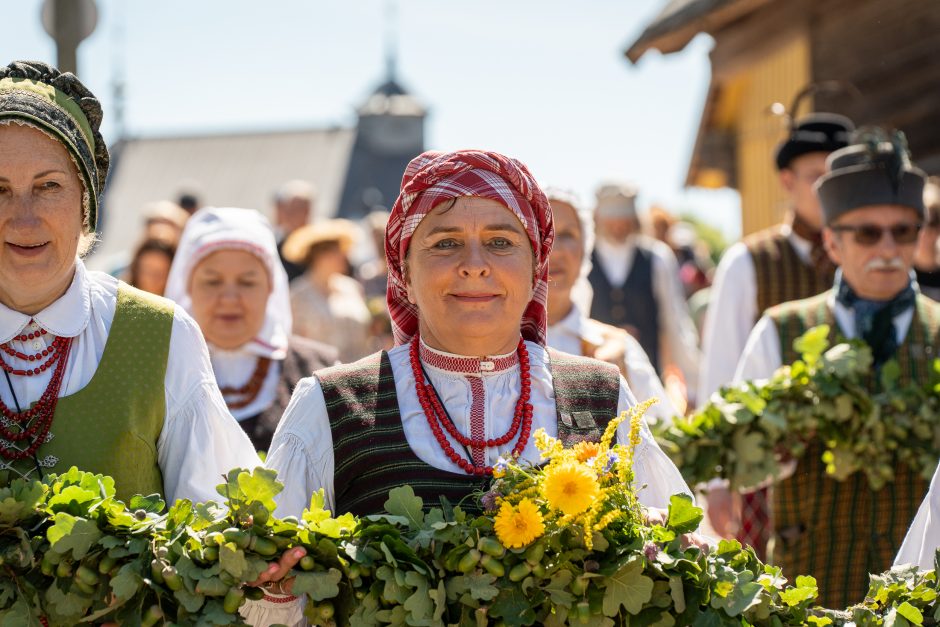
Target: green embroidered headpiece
{"type": "Point", "coordinates": [57, 103]}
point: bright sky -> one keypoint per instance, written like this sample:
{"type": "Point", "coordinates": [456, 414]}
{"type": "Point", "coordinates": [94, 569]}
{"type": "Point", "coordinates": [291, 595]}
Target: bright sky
{"type": "Point", "coordinates": [541, 80]}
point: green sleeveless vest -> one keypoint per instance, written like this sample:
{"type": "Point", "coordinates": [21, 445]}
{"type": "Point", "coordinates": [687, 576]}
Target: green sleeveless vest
{"type": "Point", "coordinates": [840, 531]}
{"type": "Point", "coordinates": [111, 425]}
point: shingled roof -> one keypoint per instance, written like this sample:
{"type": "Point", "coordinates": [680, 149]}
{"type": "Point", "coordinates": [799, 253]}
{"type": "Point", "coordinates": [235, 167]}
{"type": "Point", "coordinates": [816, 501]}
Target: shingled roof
{"type": "Point", "coordinates": [681, 20]}
{"type": "Point", "coordinates": [230, 170]}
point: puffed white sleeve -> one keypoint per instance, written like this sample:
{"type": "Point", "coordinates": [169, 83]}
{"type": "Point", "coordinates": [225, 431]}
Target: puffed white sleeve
{"type": "Point", "coordinates": [302, 454]}
{"type": "Point", "coordinates": [762, 355]}
{"type": "Point", "coordinates": [645, 383]}
{"type": "Point", "coordinates": [655, 477]}
{"type": "Point", "coordinates": [284, 611]}
{"type": "Point", "coordinates": [732, 310]}
{"type": "Point", "coordinates": [923, 537]}
{"type": "Point", "coordinates": [200, 441]}
{"type": "Point", "coordinates": [302, 450]}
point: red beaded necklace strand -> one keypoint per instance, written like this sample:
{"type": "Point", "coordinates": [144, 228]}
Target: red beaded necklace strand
{"type": "Point", "coordinates": [53, 349]}
{"type": "Point", "coordinates": [249, 391]}
{"type": "Point", "coordinates": [34, 423]}
{"type": "Point", "coordinates": [437, 416]}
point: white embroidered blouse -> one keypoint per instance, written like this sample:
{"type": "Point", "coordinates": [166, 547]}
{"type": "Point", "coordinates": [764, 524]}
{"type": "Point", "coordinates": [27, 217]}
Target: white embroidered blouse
{"type": "Point", "coordinates": [199, 442]}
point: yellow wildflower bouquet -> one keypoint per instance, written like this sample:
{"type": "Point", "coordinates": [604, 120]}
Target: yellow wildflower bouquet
{"type": "Point", "coordinates": [588, 487]}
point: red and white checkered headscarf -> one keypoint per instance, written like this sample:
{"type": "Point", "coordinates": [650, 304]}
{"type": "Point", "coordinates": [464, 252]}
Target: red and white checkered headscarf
{"type": "Point", "coordinates": [435, 177]}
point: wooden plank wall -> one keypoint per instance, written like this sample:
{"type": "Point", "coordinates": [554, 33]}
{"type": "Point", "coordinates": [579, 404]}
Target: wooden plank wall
{"type": "Point", "coordinates": [890, 50]}
{"type": "Point", "coordinates": [777, 77]}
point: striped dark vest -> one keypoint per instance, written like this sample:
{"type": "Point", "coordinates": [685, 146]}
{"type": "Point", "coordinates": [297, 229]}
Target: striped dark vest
{"type": "Point", "coordinates": [631, 306]}
{"type": "Point", "coordinates": [840, 531]}
{"type": "Point", "coordinates": [781, 275]}
{"type": "Point", "coordinates": [372, 455]}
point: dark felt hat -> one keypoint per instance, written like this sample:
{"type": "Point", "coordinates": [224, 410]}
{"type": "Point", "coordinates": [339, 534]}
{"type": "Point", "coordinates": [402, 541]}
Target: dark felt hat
{"type": "Point", "coordinates": [876, 170]}
{"type": "Point", "coordinates": [817, 132]}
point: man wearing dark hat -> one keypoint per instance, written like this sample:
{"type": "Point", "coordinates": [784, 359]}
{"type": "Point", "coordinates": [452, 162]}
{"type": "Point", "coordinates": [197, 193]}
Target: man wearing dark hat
{"type": "Point", "coordinates": [636, 285]}
{"type": "Point", "coordinates": [873, 208]}
{"type": "Point", "coordinates": [782, 263]}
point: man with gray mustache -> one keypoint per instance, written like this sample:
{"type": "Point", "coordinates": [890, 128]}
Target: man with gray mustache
{"type": "Point", "coordinates": [873, 209]}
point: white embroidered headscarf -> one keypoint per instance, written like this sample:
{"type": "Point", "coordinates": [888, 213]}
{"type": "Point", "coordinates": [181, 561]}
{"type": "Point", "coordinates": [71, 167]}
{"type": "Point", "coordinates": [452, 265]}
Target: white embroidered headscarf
{"type": "Point", "coordinates": [213, 229]}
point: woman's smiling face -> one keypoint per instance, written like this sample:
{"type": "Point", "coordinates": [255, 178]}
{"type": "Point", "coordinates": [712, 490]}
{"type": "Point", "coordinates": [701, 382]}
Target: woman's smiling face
{"type": "Point", "coordinates": [40, 218]}
{"type": "Point", "coordinates": [229, 291]}
{"type": "Point", "coordinates": [469, 269]}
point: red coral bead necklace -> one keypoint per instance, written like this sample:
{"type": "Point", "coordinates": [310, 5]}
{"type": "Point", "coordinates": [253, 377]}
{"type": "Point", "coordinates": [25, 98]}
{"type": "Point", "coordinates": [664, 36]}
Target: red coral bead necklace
{"type": "Point", "coordinates": [33, 424]}
{"type": "Point", "coordinates": [247, 393]}
{"type": "Point", "coordinates": [436, 414]}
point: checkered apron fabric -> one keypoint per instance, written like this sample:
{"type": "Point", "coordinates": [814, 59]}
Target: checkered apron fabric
{"type": "Point", "coordinates": [435, 177]}
{"type": "Point", "coordinates": [756, 527]}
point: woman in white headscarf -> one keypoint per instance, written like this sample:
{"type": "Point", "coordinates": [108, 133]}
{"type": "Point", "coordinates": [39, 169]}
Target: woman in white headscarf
{"type": "Point", "coordinates": [227, 275]}
{"type": "Point", "coordinates": [569, 329]}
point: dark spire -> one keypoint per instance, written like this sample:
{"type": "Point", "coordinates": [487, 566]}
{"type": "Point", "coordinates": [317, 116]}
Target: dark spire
{"type": "Point", "coordinates": [391, 86]}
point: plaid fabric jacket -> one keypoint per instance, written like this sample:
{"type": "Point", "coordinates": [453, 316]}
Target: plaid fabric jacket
{"type": "Point", "coordinates": [840, 531]}
{"type": "Point", "coordinates": [782, 276]}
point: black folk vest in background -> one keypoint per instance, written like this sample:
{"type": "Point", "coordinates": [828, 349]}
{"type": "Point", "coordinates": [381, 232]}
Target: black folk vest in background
{"type": "Point", "coordinates": [631, 306]}
{"type": "Point", "coordinates": [372, 454]}
{"type": "Point", "coordinates": [840, 531]}
{"type": "Point", "coordinates": [782, 276]}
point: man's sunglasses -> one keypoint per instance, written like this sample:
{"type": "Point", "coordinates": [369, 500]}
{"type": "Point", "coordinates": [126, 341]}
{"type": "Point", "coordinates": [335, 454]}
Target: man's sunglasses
{"type": "Point", "coordinates": [871, 234]}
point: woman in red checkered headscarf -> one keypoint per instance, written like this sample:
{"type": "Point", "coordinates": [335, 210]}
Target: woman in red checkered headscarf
{"type": "Point", "coordinates": [436, 178]}
{"type": "Point", "coordinates": [469, 379]}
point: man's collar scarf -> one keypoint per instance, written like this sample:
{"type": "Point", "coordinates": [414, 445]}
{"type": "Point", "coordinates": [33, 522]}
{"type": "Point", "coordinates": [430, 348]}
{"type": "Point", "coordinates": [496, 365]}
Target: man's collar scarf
{"type": "Point", "coordinates": [874, 319]}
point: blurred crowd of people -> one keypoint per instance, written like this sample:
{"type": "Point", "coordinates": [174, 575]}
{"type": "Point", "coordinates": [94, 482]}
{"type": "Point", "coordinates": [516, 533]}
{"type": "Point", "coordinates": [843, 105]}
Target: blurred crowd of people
{"type": "Point", "coordinates": [646, 274]}
{"type": "Point", "coordinates": [649, 274]}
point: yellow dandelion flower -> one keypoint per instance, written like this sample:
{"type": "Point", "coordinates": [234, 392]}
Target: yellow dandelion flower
{"type": "Point", "coordinates": [584, 451]}
{"type": "Point", "coordinates": [570, 487]}
{"type": "Point", "coordinates": [518, 526]}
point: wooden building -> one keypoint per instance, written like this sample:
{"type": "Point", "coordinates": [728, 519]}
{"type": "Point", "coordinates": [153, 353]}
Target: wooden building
{"type": "Point", "coordinates": [766, 51]}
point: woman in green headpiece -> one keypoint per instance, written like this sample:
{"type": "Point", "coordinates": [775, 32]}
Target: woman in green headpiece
{"type": "Point", "coordinates": [96, 374]}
